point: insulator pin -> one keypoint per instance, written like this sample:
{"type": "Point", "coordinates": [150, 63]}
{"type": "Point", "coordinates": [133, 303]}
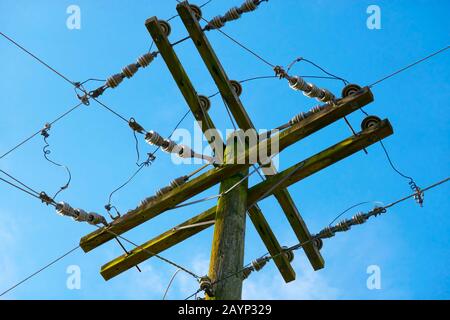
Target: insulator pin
{"type": "Point", "coordinates": [205, 103]}
{"type": "Point", "coordinates": [288, 253]}
{"type": "Point", "coordinates": [196, 10]}
{"type": "Point", "coordinates": [233, 14]}
{"type": "Point", "coordinates": [206, 286]}
{"type": "Point", "coordinates": [237, 87]}
{"type": "Point", "coordinates": [165, 27]}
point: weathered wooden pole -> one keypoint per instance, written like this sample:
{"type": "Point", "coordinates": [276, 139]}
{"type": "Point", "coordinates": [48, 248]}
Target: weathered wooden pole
{"type": "Point", "coordinates": [227, 253]}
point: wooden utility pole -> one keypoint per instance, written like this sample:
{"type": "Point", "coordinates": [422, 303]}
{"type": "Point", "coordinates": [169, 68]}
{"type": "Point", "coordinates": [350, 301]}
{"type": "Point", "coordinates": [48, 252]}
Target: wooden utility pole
{"type": "Point", "coordinates": [224, 280]}
{"type": "Point", "coordinates": [227, 253]}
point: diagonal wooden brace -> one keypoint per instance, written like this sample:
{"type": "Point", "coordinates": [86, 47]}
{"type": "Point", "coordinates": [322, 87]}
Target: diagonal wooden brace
{"type": "Point", "coordinates": [262, 190]}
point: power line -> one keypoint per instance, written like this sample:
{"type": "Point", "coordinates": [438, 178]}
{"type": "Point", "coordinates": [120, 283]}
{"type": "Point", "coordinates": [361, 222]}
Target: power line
{"type": "Point", "coordinates": [39, 131]}
{"type": "Point", "coordinates": [37, 59]}
{"type": "Point", "coordinates": [170, 283]}
{"type": "Point", "coordinates": [376, 211]}
{"type": "Point", "coordinates": [40, 270]}
{"type": "Point", "coordinates": [410, 66]}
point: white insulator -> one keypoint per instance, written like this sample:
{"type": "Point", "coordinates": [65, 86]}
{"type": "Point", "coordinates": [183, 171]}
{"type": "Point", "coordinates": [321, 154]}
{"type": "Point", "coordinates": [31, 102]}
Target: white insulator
{"type": "Point", "coordinates": [249, 5]}
{"type": "Point", "coordinates": [154, 138]}
{"type": "Point", "coordinates": [232, 14]}
{"type": "Point", "coordinates": [313, 91]}
{"type": "Point", "coordinates": [146, 59]}
{"type": "Point", "coordinates": [64, 209]}
{"type": "Point", "coordinates": [298, 83]}
{"type": "Point", "coordinates": [327, 96]}
{"type": "Point", "coordinates": [130, 70]}
{"type": "Point", "coordinates": [216, 23]}
{"type": "Point", "coordinates": [114, 80]}
{"type": "Point", "coordinates": [169, 146]}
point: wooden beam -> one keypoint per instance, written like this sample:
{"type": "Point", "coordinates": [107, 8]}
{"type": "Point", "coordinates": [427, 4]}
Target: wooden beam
{"type": "Point", "coordinates": [288, 177]}
{"type": "Point", "coordinates": [158, 244]}
{"type": "Point", "coordinates": [214, 66]}
{"type": "Point", "coordinates": [197, 185]}
{"type": "Point", "coordinates": [239, 113]}
{"type": "Point", "coordinates": [271, 243]}
{"type": "Point", "coordinates": [184, 83]}
{"type": "Point", "coordinates": [188, 91]}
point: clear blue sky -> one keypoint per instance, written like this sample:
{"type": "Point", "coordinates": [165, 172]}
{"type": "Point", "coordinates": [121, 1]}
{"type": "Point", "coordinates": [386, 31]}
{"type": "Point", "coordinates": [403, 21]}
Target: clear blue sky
{"type": "Point", "coordinates": [410, 244]}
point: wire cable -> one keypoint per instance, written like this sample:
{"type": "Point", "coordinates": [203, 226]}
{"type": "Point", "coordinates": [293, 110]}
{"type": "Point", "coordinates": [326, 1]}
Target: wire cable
{"type": "Point", "coordinates": [36, 58]}
{"type": "Point", "coordinates": [409, 66]}
{"type": "Point", "coordinates": [170, 283]}
{"type": "Point", "coordinates": [302, 244]}
{"type": "Point", "coordinates": [40, 270]}
{"type": "Point", "coordinates": [38, 132]}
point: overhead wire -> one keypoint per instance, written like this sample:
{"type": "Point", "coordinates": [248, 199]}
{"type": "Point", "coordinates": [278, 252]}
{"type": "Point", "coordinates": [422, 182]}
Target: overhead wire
{"type": "Point", "coordinates": [314, 237]}
{"type": "Point", "coordinates": [51, 263]}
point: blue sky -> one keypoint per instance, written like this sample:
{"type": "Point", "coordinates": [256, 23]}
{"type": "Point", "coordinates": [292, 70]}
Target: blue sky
{"type": "Point", "coordinates": [410, 244]}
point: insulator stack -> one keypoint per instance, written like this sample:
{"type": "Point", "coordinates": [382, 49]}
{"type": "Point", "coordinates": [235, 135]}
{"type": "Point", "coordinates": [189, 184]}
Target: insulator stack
{"type": "Point", "coordinates": [130, 70]}
{"type": "Point", "coordinates": [178, 182]}
{"type": "Point", "coordinates": [147, 201]}
{"type": "Point", "coordinates": [303, 115]}
{"type": "Point", "coordinates": [310, 90]}
{"type": "Point", "coordinates": [170, 146]}
{"type": "Point", "coordinates": [173, 185]}
{"type": "Point", "coordinates": [79, 215]}
{"type": "Point", "coordinates": [345, 225]}
{"type": "Point", "coordinates": [154, 138]}
{"type": "Point", "coordinates": [256, 265]}
{"type": "Point", "coordinates": [163, 191]}
{"type": "Point", "coordinates": [233, 14]}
